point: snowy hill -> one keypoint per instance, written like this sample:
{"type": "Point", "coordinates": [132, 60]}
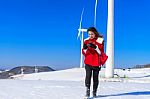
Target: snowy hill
{"type": "Point", "coordinates": [78, 74]}
{"type": "Point", "coordinates": [69, 84]}
{"type": "Point", "coordinates": [75, 74]}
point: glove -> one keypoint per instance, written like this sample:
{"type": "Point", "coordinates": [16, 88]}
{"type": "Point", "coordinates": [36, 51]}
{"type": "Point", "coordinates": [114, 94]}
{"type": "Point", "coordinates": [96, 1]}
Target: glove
{"type": "Point", "coordinates": [85, 46]}
{"type": "Point", "coordinates": [92, 45]}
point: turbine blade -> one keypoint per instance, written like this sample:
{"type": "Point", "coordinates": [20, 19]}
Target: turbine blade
{"type": "Point", "coordinates": [95, 14]}
{"type": "Point", "coordinates": [80, 24]}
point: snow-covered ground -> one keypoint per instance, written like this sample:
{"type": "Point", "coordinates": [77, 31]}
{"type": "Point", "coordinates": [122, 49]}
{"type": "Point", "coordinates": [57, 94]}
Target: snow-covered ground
{"type": "Point", "coordinates": [69, 84]}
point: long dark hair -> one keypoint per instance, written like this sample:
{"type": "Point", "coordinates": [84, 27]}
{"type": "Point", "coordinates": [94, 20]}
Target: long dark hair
{"type": "Point", "coordinates": [93, 29]}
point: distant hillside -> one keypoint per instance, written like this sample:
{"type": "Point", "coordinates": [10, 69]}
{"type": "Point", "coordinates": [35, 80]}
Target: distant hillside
{"type": "Point", "coordinates": [24, 70]}
{"type": "Point", "coordinates": [142, 66]}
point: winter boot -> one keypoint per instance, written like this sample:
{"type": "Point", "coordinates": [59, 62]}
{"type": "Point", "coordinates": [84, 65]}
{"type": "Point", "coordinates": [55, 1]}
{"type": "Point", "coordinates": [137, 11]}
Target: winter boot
{"type": "Point", "coordinates": [94, 93]}
{"type": "Point", "coordinates": [87, 92]}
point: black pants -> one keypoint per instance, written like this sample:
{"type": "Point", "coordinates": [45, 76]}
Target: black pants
{"type": "Point", "coordinates": [89, 71]}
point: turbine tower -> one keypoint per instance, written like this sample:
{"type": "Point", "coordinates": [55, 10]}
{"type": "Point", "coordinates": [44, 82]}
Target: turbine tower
{"type": "Point", "coordinates": [109, 73]}
{"type": "Point", "coordinates": [82, 40]}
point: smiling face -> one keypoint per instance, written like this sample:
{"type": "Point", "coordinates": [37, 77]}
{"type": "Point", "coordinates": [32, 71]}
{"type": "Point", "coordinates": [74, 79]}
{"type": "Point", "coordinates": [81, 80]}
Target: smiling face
{"type": "Point", "coordinates": [91, 35]}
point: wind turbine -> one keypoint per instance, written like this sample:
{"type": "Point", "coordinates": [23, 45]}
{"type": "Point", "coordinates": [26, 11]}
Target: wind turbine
{"type": "Point", "coordinates": [35, 69]}
{"type": "Point", "coordinates": [81, 31]}
{"type": "Point", "coordinates": [110, 41]}
{"type": "Point", "coordinates": [110, 38]}
{"type": "Point", "coordinates": [22, 70]}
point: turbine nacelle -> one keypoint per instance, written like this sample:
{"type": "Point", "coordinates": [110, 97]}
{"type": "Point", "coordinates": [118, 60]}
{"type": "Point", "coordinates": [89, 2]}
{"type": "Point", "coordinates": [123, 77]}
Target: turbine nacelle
{"type": "Point", "coordinates": [82, 30]}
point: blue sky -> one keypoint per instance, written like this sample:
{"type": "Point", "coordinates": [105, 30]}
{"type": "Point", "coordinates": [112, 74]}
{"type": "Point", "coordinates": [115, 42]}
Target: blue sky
{"type": "Point", "coordinates": [44, 32]}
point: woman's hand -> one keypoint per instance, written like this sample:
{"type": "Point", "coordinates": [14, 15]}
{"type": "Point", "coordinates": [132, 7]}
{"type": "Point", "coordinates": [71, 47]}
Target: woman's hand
{"type": "Point", "coordinates": [85, 46]}
{"type": "Point", "coordinates": [92, 45]}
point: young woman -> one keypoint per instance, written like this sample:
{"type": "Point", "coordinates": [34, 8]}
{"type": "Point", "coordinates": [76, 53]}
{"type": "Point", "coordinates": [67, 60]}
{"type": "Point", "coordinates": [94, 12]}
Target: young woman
{"type": "Point", "coordinates": [92, 49]}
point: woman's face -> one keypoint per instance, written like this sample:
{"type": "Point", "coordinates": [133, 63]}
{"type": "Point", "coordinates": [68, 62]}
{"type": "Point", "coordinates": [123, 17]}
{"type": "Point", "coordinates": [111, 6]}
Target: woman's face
{"type": "Point", "coordinates": [91, 35]}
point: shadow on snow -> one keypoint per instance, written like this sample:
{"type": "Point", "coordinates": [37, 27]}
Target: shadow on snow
{"type": "Point", "coordinates": [129, 93]}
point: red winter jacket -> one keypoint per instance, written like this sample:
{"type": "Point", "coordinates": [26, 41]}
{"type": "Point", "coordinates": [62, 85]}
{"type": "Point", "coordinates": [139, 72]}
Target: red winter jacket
{"type": "Point", "coordinates": [94, 57]}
